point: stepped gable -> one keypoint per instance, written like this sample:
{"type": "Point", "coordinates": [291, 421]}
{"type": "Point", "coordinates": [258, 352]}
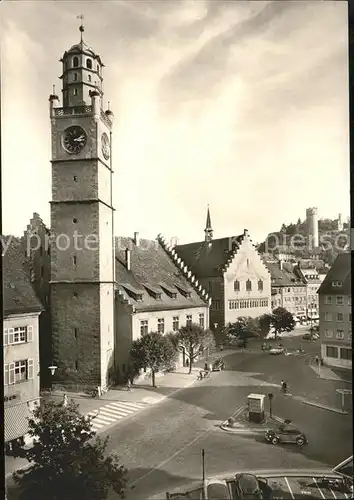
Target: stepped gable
{"type": "Point", "coordinates": [340, 271]}
{"type": "Point", "coordinates": [209, 259]}
{"type": "Point", "coordinates": [157, 279]}
{"type": "Point", "coordinates": [19, 295]}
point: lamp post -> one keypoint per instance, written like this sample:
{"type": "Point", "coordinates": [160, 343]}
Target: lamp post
{"type": "Point", "coordinates": [270, 397]}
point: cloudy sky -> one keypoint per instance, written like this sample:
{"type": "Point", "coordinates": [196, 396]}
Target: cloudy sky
{"type": "Point", "coordinates": [239, 105]}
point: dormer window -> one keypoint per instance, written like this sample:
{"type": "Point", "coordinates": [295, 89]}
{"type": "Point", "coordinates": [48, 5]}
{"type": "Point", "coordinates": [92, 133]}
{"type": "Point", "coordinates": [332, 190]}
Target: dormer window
{"type": "Point", "coordinates": [75, 62]}
{"type": "Point", "coordinates": [260, 285]}
{"type": "Point", "coordinates": [139, 297]}
{"type": "Point", "coordinates": [153, 292]}
{"type": "Point", "coordinates": [337, 284]}
{"type": "Point", "coordinates": [184, 292]}
{"type": "Point", "coordinates": [248, 285]}
{"type": "Point", "coordinates": [158, 296]}
{"type": "Point", "coordinates": [236, 286]}
{"type": "Point", "coordinates": [88, 63]}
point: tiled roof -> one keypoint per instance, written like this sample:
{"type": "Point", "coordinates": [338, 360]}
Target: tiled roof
{"type": "Point", "coordinates": [282, 277]}
{"type": "Point", "coordinates": [340, 271]}
{"type": "Point", "coordinates": [19, 295]}
{"type": "Point", "coordinates": [207, 260]}
{"type": "Point", "coordinates": [151, 266]}
{"type": "Point", "coordinates": [16, 423]}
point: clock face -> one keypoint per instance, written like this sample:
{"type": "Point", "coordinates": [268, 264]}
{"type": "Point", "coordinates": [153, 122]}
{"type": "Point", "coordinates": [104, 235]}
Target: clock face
{"type": "Point", "coordinates": [105, 145]}
{"type": "Point", "coordinates": [74, 139]}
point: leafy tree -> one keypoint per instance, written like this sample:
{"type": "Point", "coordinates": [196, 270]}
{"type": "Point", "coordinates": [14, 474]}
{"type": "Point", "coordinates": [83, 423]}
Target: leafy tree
{"type": "Point", "coordinates": [243, 328]}
{"type": "Point", "coordinates": [193, 339]}
{"type": "Point", "coordinates": [66, 463]}
{"type": "Point", "coordinates": [282, 321]}
{"type": "Point", "coordinates": [264, 324]}
{"type": "Point", "coordinates": [155, 351]}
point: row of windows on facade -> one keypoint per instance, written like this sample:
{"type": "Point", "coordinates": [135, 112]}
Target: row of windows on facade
{"type": "Point", "coordinates": [77, 78]}
{"type": "Point", "coordinates": [75, 61]}
{"type": "Point", "coordinates": [297, 289]}
{"type": "Point", "coordinates": [245, 304]}
{"type": "Point", "coordinates": [18, 335]}
{"type": "Point", "coordinates": [339, 334]}
{"type": "Point", "coordinates": [144, 324]}
{"type": "Point", "coordinates": [338, 353]}
{"type": "Point", "coordinates": [18, 371]}
{"type": "Point", "coordinates": [248, 288]}
{"type": "Point", "coordinates": [339, 317]}
{"type": "Point", "coordinates": [329, 300]}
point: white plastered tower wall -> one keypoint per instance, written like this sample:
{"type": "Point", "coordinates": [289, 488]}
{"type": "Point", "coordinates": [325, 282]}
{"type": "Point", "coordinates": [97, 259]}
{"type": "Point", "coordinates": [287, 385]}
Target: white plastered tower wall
{"type": "Point", "coordinates": [312, 227]}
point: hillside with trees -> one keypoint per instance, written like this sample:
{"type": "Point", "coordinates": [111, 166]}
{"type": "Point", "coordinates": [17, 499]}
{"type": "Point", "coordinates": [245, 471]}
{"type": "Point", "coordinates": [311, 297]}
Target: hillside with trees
{"type": "Point", "coordinates": [331, 240]}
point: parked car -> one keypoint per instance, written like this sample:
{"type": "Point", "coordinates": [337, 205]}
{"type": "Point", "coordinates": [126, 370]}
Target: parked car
{"type": "Point", "coordinates": [248, 486]}
{"type": "Point", "coordinates": [310, 336]}
{"type": "Point", "coordinates": [315, 329]}
{"type": "Point", "coordinates": [218, 365]}
{"type": "Point", "coordinates": [285, 434]}
{"type": "Point", "coordinates": [277, 350]}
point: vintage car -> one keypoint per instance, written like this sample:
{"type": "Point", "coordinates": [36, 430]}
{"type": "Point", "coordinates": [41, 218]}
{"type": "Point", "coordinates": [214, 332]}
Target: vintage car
{"type": "Point", "coordinates": [277, 350]}
{"type": "Point", "coordinates": [249, 486]}
{"type": "Point", "coordinates": [285, 433]}
{"type": "Point", "coordinates": [310, 336]}
{"type": "Point", "coordinates": [218, 365]}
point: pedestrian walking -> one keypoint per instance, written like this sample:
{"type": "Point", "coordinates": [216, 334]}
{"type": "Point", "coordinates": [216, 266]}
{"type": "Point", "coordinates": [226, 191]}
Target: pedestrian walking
{"type": "Point", "coordinates": [206, 367]}
{"type": "Point", "coordinates": [65, 400]}
{"type": "Point", "coordinates": [129, 384]}
{"type": "Point", "coordinates": [317, 359]}
{"type": "Point", "coordinates": [321, 361]}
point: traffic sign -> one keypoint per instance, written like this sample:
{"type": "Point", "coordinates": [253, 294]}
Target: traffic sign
{"type": "Point", "coordinates": [344, 391]}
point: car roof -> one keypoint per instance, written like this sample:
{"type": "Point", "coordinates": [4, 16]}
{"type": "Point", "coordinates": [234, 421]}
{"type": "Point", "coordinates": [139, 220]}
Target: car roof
{"type": "Point", "coordinates": [247, 481]}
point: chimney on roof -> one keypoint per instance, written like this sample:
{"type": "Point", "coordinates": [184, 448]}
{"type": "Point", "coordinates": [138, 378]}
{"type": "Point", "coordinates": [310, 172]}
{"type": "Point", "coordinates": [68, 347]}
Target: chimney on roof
{"type": "Point", "coordinates": [136, 239]}
{"type": "Point", "coordinates": [127, 258]}
{"type": "Point", "coordinates": [245, 232]}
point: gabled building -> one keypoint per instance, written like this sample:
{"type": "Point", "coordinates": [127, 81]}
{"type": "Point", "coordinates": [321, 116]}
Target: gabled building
{"type": "Point", "coordinates": [156, 291]}
{"type": "Point", "coordinates": [36, 242]}
{"type": "Point", "coordinates": [335, 297]}
{"type": "Point", "coordinates": [20, 343]}
{"type": "Point", "coordinates": [232, 272]}
{"type": "Point", "coordinates": [288, 290]}
{"type": "Point", "coordinates": [313, 282]}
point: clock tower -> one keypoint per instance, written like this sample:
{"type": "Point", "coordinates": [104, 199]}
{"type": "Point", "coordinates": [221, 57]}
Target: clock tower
{"type": "Point", "coordinates": [82, 239]}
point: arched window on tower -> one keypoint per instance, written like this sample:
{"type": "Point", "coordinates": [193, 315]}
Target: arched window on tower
{"type": "Point", "coordinates": [75, 62]}
{"type": "Point", "coordinates": [89, 78]}
{"type": "Point", "coordinates": [75, 76]}
{"type": "Point", "coordinates": [88, 63]}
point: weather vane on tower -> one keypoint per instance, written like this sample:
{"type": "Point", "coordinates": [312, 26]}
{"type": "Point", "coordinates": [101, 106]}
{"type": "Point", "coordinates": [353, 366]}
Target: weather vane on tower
{"type": "Point", "coordinates": [81, 27]}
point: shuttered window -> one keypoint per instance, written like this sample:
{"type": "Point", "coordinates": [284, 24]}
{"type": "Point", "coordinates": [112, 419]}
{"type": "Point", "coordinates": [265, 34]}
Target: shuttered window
{"type": "Point", "coordinates": [11, 373]}
{"type": "Point", "coordinates": [30, 369]}
{"type": "Point", "coordinates": [6, 374]}
{"type": "Point", "coordinates": [11, 335]}
{"type": "Point", "coordinates": [30, 333]}
{"type": "Point", "coordinates": [6, 336]}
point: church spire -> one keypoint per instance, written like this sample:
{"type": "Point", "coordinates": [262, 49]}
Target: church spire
{"type": "Point", "coordinates": [208, 229]}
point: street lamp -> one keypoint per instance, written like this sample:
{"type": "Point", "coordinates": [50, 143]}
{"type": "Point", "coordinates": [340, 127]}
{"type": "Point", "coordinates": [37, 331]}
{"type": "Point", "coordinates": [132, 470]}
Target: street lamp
{"type": "Point", "coordinates": [52, 369]}
{"type": "Point", "coordinates": [270, 397]}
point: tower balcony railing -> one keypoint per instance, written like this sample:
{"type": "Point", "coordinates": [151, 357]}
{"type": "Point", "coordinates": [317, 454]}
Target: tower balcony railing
{"type": "Point", "coordinates": [73, 110]}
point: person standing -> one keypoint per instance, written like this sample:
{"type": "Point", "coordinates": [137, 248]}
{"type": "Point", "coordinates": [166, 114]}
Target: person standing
{"type": "Point", "coordinates": [65, 400]}
{"type": "Point", "coordinates": [317, 359]}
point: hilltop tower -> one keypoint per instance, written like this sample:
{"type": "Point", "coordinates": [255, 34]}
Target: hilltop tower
{"type": "Point", "coordinates": [82, 250]}
{"type": "Point", "coordinates": [312, 227]}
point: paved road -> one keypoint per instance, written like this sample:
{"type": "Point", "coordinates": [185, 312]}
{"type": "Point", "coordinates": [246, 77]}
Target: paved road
{"type": "Point", "coordinates": [161, 445]}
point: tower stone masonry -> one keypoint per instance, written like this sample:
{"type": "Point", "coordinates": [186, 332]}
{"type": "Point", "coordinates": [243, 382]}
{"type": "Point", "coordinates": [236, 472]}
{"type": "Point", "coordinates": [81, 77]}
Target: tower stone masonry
{"type": "Point", "coordinates": [312, 227]}
{"type": "Point", "coordinates": [82, 244]}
